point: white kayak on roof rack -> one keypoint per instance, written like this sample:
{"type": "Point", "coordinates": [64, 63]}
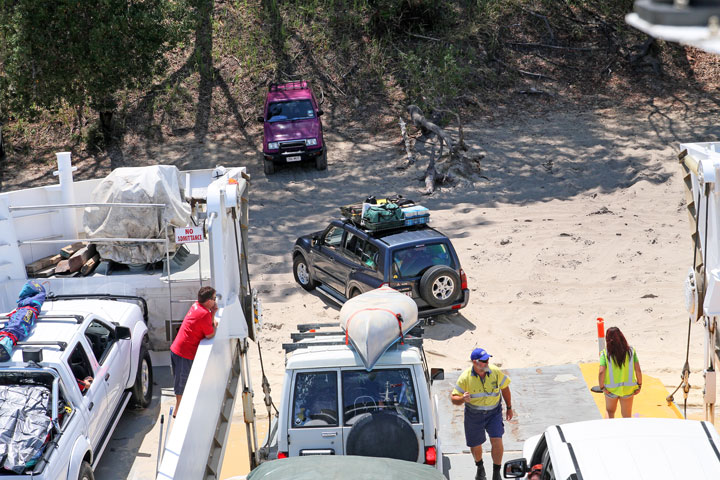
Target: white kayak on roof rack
{"type": "Point", "coordinates": [375, 320]}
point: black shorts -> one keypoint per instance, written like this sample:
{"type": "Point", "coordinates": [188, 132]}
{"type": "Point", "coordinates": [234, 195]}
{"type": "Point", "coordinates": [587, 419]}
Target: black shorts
{"type": "Point", "coordinates": [181, 370]}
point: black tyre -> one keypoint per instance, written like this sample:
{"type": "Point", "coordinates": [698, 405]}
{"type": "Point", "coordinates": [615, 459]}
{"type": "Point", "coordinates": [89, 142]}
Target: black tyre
{"type": "Point", "coordinates": [268, 166]}
{"type": "Point", "coordinates": [86, 472]}
{"type": "Point", "coordinates": [143, 387]}
{"type": "Point", "coordinates": [302, 273]}
{"type": "Point", "coordinates": [440, 286]}
{"type": "Point", "coordinates": [398, 437]}
{"type": "Point", "coordinates": [321, 161]}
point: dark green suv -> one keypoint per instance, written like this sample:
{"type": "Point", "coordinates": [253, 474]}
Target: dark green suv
{"type": "Point", "coordinates": [345, 260]}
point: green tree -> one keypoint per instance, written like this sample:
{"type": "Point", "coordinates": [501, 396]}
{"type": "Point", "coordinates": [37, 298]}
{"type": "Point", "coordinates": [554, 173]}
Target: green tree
{"type": "Point", "coordinates": [83, 52]}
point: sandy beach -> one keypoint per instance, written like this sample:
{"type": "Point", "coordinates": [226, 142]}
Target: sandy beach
{"type": "Point", "coordinates": [573, 216]}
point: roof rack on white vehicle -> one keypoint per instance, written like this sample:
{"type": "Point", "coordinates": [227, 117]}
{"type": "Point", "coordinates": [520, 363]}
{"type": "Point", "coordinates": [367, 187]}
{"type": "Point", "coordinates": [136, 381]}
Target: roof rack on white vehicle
{"type": "Point", "coordinates": [306, 332]}
{"type": "Point", "coordinates": [46, 343]}
{"type": "Point", "coordinates": [51, 297]}
{"type": "Point", "coordinates": [68, 316]}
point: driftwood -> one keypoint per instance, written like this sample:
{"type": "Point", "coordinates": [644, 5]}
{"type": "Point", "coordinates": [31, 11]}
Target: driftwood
{"type": "Point", "coordinates": [431, 175]}
{"type": "Point", "coordinates": [457, 150]}
{"type": "Point", "coordinates": [410, 160]}
{"type": "Point", "coordinates": [421, 122]}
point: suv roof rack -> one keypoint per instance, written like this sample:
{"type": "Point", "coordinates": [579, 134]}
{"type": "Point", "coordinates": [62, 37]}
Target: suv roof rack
{"type": "Point", "coordinates": [70, 317]}
{"type": "Point", "coordinates": [103, 296]}
{"type": "Point", "coordinates": [52, 343]}
{"type": "Point", "coordinates": [412, 337]}
{"type": "Point", "coordinates": [296, 85]}
{"type": "Point", "coordinates": [387, 229]}
{"type": "Point", "coordinates": [291, 347]}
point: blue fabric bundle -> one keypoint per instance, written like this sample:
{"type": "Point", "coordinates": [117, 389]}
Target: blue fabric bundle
{"type": "Point", "coordinates": [22, 320]}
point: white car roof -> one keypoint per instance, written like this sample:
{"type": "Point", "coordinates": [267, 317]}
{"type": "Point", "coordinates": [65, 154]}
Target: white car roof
{"type": "Point", "coordinates": [345, 356]}
{"type": "Point", "coordinates": [64, 330]}
{"type": "Point", "coordinates": [644, 448]}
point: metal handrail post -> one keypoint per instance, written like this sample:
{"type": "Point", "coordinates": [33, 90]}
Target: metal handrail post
{"type": "Point", "coordinates": [169, 279]}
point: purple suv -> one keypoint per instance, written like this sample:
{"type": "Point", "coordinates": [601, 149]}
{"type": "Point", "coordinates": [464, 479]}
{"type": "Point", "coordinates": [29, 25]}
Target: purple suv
{"type": "Point", "coordinates": [292, 130]}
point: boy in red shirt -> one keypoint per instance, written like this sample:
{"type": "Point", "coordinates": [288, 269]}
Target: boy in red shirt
{"type": "Point", "coordinates": [198, 323]}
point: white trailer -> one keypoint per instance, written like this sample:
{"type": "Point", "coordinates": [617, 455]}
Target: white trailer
{"type": "Point", "coordinates": [36, 222]}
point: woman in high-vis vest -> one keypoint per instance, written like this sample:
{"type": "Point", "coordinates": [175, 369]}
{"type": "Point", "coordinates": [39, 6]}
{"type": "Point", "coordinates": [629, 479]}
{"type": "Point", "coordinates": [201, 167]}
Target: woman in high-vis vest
{"type": "Point", "coordinates": [620, 375]}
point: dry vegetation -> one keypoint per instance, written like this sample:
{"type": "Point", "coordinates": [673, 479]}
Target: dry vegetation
{"type": "Point", "coordinates": [370, 59]}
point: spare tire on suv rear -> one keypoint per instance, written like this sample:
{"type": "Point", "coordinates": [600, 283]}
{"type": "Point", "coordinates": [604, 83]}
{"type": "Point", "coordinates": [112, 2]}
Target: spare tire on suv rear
{"type": "Point", "coordinates": [383, 434]}
{"type": "Point", "coordinates": [440, 286]}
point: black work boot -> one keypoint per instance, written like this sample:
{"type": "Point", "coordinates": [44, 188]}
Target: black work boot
{"type": "Point", "coordinates": [480, 475]}
{"type": "Point", "coordinates": [496, 472]}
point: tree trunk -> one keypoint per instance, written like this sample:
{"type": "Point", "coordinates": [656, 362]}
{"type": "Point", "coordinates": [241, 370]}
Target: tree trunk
{"type": "Point", "coordinates": [106, 126]}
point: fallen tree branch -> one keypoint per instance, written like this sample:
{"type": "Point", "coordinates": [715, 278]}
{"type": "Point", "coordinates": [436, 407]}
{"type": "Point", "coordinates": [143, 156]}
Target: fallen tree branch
{"type": "Point", "coordinates": [535, 91]}
{"type": "Point", "coordinates": [547, 23]}
{"type": "Point", "coordinates": [556, 47]}
{"type": "Point", "coordinates": [424, 37]}
{"type": "Point", "coordinates": [523, 72]}
{"type": "Point", "coordinates": [410, 160]}
{"type": "Point", "coordinates": [460, 145]}
{"type": "Point", "coordinates": [420, 121]}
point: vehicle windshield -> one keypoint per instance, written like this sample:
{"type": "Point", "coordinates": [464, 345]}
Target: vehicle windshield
{"type": "Point", "coordinates": [366, 392]}
{"type": "Point", "coordinates": [287, 111]}
{"type": "Point", "coordinates": [413, 261]}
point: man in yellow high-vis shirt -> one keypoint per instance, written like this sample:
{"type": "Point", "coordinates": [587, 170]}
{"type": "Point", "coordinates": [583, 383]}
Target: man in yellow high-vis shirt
{"type": "Point", "coordinates": [479, 388]}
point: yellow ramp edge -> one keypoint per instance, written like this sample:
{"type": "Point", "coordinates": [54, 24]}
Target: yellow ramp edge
{"type": "Point", "coordinates": [236, 461]}
{"type": "Point", "coordinates": [650, 402]}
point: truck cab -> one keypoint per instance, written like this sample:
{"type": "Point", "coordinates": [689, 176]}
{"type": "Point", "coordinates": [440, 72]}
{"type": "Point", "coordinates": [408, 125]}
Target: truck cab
{"type": "Point", "coordinates": [332, 405]}
{"type": "Point", "coordinates": [74, 339]}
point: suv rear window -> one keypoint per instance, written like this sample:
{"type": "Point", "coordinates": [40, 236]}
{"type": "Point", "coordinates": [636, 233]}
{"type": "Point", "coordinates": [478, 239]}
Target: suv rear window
{"type": "Point", "coordinates": [366, 392]}
{"type": "Point", "coordinates": [413, 261]}
{"type": "Point", "coordinates": [293, 110]}
{"type": "Point", "coordinates": [315, 400]}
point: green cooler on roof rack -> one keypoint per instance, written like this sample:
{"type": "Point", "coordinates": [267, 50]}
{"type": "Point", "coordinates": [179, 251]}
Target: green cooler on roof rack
{"type": "Point", "coordinates": [383, 217]}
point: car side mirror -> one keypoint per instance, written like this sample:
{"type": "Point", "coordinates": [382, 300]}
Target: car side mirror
{"type": "Point", "coordinates": [315, 240]}
{"type": "Point", "coordinates": [437, 374]}
{"type": "Point", "coordinates": [123, 333]}
{"type": "Point", "coordinates": [515, 468]}
{"type": "Point", "coordinates": [261, 119]}
{"type": "Point", "coordinates": [320, 113]}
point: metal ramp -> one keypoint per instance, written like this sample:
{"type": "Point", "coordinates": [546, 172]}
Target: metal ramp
{"type": "Point", "coordinates": [541, 396]}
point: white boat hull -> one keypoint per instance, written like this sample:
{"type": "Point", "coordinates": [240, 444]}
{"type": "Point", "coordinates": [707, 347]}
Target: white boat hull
{"type": "Point", "coordinates": [375, 320]}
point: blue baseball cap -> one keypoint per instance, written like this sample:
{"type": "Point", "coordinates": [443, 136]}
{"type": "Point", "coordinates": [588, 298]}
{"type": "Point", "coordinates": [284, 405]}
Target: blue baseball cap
{"type": "Point", "coordinates": [480, 354]}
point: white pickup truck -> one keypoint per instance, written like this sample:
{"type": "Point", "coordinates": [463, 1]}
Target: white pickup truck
{"type": "Point", "coordinates": [332, 405]}
{"type": "Point", "coordinates": [623, 448]}
{"type": "Point", "coordinates": [67, 426]}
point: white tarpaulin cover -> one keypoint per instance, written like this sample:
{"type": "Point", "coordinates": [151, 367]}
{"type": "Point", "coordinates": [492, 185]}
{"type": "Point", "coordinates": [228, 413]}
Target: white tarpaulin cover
{"type": "Point", "coordinates": [371, 321]}
{"type": "Point", "coordinates": [153, 184]}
